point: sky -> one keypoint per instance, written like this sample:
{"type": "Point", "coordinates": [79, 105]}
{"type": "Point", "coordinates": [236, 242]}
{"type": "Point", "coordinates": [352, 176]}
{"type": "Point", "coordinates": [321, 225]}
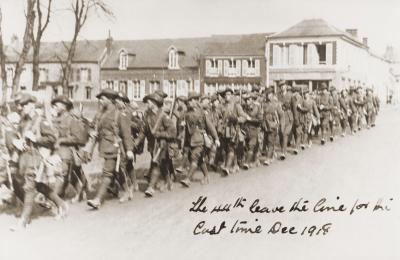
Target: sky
{"type": "Point", "coordinates": [379, 20]}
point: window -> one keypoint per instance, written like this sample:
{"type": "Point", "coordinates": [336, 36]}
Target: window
{"type": "Point", "coordinates": [173, 58]}
{"type": "Point", "coordinates": [71, 92]}
{"type": "Point", "coordinates": [232, 63]}
{"type": "Point", "coordinates": [122, 87]}
{"type": "Point", "coordinates": [85, 75]}
{"type": "Point", "coordinates": [182, 88]}
{"type": "Point", "coordinates": [110, 84]}
{"type": "Point", "coordinates": [123, 60]}
{"type": "Point", "coordinates": [22, 87]}
{"type": "Point", "coordinates": [171, 89]}
{"type": "Point", "coordinates": [10, 76]}
{"type": "Point", "coordinates": [136, 89]}
{"type": "Point", "coordinates": [43, 75]}
{"type": "Point", "coordinates": [321, 49]}
{"type": "Point", "coordinates": [153, 86]}
{"type": "Point", "coordinates": [251, 63]}
{"type": "Point", "coordinates": [214, 64]}
{"type": "Point", "coordinates": [88, 92]}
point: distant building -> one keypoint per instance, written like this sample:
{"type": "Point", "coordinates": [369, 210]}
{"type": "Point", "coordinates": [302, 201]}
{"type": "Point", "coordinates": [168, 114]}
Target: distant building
{"type": "Point", "coordinates": [85, 77]}
{"type": "Point", "coordinates": [313, 51]}
{"type": "Point", "coordinates": [234, 61]}
{"type": "Point", "coordinates": [139, 67]}
{"type": "Point", "coordinates": [177, 66]}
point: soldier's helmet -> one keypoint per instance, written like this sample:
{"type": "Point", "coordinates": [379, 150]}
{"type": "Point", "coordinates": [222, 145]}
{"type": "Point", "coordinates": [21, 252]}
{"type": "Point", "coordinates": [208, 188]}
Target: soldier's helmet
{"type": "Point", "coordinates": [193, 95]}
{"type": "Point", "coordinates": [109, 93]}
{"type": "Point", "coordinates": [157, 99]}
{"type": "Point", "coordinates": [64, 100]}
{"type": "Point", "coordinates": [123, 97]}
{"type": "Point", "coordinates": [26, 99]}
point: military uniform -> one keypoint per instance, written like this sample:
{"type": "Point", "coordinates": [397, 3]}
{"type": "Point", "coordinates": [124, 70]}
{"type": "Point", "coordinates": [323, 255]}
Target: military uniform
{"type": "Point", "coordinates": [370, 108]}
{"type": "Point", "coordinates": [324, 103]}
{"type": "Point", "coordinates": [345, 111]}
{"type": "Point", "coordinates": [159, 129]}
{"type": "Point", "coordinates": [198, 131]}
{"type": "Point", "coordinates": [68, 143]}
{"type": "Point", "coordinates": [273, 123]}
{"type": "Point", "coordinates": [38, 135]}
{"type": "Point", "coordinates": [309, 117]}
{"type": "Point", "coordinates": [232, 114]}
{"type": "Point", "coordinates": [297, 127]}
{"type": "Point", "coordinates": [114, 140]}
{"type": "Point", "coordinates": [253, 127]}
{"type": "Point", "coordinates": [285, 131]}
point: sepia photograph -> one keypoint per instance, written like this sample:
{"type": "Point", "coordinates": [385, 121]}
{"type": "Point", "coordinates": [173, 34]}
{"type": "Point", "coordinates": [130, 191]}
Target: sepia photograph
{"type": "Point", "coordinates": [199, 129]}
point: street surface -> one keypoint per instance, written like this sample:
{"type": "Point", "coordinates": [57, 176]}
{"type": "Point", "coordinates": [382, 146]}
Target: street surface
{"type": "Point", "coordinates": [363, 168]}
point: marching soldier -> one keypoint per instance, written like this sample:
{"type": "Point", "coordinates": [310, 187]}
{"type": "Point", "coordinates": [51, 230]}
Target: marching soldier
{"type": "Point", "coordinates": [215, 116]}
{"type": "Point", "coordinates": [127, 175]}
{"type": "Point", "coordinates": [345, 111]}
{"type": "Point", "coordinates": [113, 135]}
{"type": "Point", "coordinates": [66, 147]}
{"type": "Point", "coordinates": [370, 108]}
{"type": "Point", "coordinates": [159, 129]}
{"type": "Point", "coordinates": [354, 111]}
{"type": "Point", "coordinates": [324, 103]}
{"type": "Point", "coordinates": [359, 104]}
{"type": "Point", "coordinates": [297, 127]}
{"type": "Point", "coordinates": [335, 113]}
{"type": "Point", "coordinates": [198, 129]}
{"type": "Point", "coordinates": [287, 105]}
{"type": "Point", "coordinates": [253, 127]}
{"type": "Point", "coordinates": [273, 122]}
{"type": "Point", "coordinates": [233, 114]}
{"type": "Point", "coordinates": [309, 117]}
{"type": "Point", "coordinates": [37, 140]}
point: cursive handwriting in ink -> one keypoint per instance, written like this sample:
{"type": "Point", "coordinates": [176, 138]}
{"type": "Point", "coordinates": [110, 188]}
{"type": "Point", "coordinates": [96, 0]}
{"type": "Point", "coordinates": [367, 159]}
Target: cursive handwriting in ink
{"type": "Point", "coordinates": [322, 206]}
{"type": "Point", "coordinates": [299, 206]}
{"type": "Point", "coordinates": [200, 229]}
{"type": "Point", "coordinates": [199, 206]}
{"type": "Point", "coordinates": [255, 208]}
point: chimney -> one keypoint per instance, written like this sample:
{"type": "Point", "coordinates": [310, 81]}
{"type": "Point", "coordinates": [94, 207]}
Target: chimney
{"type": "Point", "coordinates": [365, 41]}
{"type": "Point", "coordinates": [353, 32]}
{"type": "Point", "coordinates": [109, 42]}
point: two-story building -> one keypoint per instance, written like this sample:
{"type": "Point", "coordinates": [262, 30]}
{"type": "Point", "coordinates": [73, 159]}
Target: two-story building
{"type": "Point", "coordinates": [85, 78]}
{"type": "Point", "coordinates": [313, 51]}
{"type": "Point", "coordinates": [177, 66]}
{"type": "Point", "coordinates": [139, 67]}
{"type": "Point", "coordinates": [234, 61]}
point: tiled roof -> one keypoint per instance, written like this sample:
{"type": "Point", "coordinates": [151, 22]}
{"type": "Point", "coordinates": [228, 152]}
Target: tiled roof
{"type": "Point", "coordinates": [154, 53]}
{"type": "Point", "coordinates": [86, 51]}
{"type": "Point", "coordinates": [250, 44]}
{"type": "Point", "coordinates": [311, 28]}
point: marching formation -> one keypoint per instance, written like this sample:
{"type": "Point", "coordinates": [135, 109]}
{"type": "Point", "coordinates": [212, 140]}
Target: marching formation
{"type": "Point", "coordinates": [43, 147]}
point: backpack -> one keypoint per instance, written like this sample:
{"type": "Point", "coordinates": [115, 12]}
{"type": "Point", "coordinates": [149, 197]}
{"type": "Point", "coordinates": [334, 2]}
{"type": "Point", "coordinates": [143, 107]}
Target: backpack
{"type": "Point", "coordinates": [81, 130]}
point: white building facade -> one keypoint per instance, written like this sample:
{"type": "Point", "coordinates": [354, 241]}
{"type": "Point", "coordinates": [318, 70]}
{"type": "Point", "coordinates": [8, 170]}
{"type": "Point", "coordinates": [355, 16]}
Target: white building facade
{"type": "Point", "coordinates": [313, 52]}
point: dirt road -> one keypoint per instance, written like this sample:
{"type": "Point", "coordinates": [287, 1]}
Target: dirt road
{"type": "Point", "coordinates": [360, 169]}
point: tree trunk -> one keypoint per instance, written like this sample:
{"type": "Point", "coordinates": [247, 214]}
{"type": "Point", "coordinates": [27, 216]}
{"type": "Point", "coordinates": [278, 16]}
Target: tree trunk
{"type": "Point", "coordinates": [68, 64]}
{"type": "Point", "coordinates": [30, 19]}
{"type": "Point", "coordinates": [35, 67]}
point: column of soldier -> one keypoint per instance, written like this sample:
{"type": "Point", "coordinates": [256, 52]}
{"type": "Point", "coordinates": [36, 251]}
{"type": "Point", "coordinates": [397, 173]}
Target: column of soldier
{"type": "Point", "coordinates": [43, 147]}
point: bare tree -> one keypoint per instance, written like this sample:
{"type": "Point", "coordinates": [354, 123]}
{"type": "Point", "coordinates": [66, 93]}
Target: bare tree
{"type": "Point", "coordinates": [42, 22]}
{"type": "Point", "coordinates": [27, 43]}
{"type": "Point", "coordinates": [3, 62]}
{"type": "Point", "coordinates": [81, 10]}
